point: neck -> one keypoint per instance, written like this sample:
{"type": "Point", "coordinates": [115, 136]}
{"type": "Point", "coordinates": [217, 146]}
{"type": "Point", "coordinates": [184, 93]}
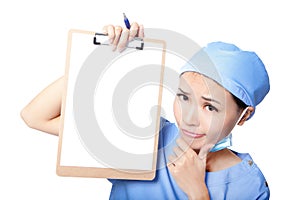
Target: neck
{"type": "Point", "coordinates": [220, 160]}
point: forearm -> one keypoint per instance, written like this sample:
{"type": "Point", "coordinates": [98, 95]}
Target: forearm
{"type": "Point", "coordinates": [43, 112]}
{"type": "Point", "coordinates": [47, 126]}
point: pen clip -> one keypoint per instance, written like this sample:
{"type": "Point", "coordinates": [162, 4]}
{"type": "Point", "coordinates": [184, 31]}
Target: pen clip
{"type": "Point", "coordinates": [135, 39]}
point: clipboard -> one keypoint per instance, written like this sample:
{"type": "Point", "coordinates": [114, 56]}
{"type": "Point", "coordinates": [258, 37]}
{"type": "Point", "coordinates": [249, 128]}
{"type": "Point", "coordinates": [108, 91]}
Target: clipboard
{"type": "Point", "coordinates": [81, 137]}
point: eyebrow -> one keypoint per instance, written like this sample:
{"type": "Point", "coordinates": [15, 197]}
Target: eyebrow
{"type": "Point", "coordinates": [186, 93]}
{"type": "Point", "coordinates": [203, 97]}
{"type": "Point", "coordinates": [210, 99]}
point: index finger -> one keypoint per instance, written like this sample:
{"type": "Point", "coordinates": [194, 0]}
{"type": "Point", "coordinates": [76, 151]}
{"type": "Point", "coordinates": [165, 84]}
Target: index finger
{"type": "Point", "coordinates": [204, 151]}
{"type": "Point", "coordinates": [182, 144]}
{"type": "Point", "coordinates": [123, 40]}
{"type": "Point", "coordinates": [110, 31]}
{"type": "Point", "coordinates": [133, 30]}
{"type": "Point", "coordinates": [141, 33]}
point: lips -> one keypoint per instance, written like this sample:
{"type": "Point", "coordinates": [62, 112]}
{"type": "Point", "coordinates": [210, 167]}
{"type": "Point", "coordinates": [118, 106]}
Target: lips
{"type": "Point", "coordinates": [192, 134]}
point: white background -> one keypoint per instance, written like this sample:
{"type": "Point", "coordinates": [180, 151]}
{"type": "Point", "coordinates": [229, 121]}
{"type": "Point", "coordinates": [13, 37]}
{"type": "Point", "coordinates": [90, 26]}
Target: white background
{"type": "Point", "coordinates": [33, 39]}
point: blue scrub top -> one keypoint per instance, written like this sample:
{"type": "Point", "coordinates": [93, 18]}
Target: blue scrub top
{"type": "Point", "coordinates": [242, 181]}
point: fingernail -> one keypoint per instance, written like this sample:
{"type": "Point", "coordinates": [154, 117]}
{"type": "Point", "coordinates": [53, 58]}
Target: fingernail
{"type": "Point", "coordinates": [121, 49]}
{"type": "Point", "coordinates": [201, 157]}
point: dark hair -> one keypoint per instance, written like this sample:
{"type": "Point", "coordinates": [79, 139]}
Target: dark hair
{"type": "Point", "coordinates": [239, 102]}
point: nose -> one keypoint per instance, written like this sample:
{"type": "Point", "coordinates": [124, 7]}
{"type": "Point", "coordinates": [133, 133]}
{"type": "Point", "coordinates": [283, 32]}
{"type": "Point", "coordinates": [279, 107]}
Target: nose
{"type": "Point", "coordinates": [191, 116]}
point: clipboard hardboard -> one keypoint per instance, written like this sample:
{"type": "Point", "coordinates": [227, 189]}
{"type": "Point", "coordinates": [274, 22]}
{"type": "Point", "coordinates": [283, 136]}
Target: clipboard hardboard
{"type": "Point", "coordinates": [97, 137]}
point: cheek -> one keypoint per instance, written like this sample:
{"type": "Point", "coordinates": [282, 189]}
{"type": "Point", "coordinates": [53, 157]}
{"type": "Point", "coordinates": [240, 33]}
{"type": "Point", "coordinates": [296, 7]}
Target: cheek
{"type": "Point", "coordinates": [228, 126]}
{"type": "Point", "coordinates": [177, 111]}
{"type": "Point", "coordinates": [221, 127]}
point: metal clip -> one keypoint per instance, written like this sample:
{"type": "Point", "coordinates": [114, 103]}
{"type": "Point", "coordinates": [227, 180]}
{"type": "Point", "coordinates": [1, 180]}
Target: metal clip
{"type": "Point", "coordinates": [136, 39]}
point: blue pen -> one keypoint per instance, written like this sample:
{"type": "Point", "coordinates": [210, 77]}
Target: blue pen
{"type": "Point", "coordinates": [126, 21]}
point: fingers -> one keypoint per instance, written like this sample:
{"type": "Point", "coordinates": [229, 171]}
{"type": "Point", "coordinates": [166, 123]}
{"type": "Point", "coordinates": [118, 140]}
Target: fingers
{"type": "Point", "coordinates": [119, 37]}
{"type": "Point", "coordinates": [182, 144]}
{"type": "Point", "coordinates": [136, 30]}
{"type": "Point", "coordinates": [185, 148]}
{"type": "Point", "coordinates": [182, 153]}
{"type": "Point", "coordinates": [117, 34]}
{"type": "Point", "coordinates": [133, 31]}
{"type": "Point", "coordinates": [172, 159]}
{"type": "Point", "coordinates": [123, 40]}
{"type": "Point", "coordinates": [177, 157]}
{"type": "Point", "coordinates": [114, 34]}
{"type": "Point", "coordinates": [141, 33]}
{"type": "Point", "coordinates": [110, 31]}
{"type": "Point", "coordinates": [204, 151]}
{"type": "Point", "coordinates": [188, 170]}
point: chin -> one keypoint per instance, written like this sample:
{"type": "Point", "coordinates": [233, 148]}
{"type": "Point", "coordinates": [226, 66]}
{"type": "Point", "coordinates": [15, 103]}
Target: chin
{"type": "Point", "coordinates": [194, 143]}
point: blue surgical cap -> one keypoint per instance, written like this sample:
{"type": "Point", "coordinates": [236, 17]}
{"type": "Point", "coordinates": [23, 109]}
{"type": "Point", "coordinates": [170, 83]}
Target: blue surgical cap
{"type": "Point", "coordinates": [240, 72]}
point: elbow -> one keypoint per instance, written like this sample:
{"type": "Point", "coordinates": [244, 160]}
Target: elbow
{"type": "Point", "coordinates": [26, 115]}
{"type": "Point", "coordinates": [34, 122]}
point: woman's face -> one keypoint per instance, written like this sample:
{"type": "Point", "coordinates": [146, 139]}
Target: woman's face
{"type": "Point", "coordinates": [205, 112]}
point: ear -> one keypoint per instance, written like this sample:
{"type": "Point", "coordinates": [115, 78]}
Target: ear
{"type": "Point", "coordinates": [246, 115]}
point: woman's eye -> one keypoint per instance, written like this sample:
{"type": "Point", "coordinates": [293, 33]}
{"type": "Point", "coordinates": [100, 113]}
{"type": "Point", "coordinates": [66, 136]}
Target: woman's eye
{"type": "Point", "coordinates": [183, 97]}
{"type": "Point", "coordinates": [211, 108]}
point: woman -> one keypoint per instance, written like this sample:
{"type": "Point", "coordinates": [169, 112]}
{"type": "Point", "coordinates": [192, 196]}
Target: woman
{"type": "Point", "coordinates": [208, 105]}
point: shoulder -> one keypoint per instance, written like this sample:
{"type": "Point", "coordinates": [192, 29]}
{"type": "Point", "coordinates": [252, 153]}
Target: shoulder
{"type": "Point", "coordinates": [253, 178]}
{"type": "Point", "coordinates": [165, 124]}
{"type": "Point", "coordinates": [168, 131]}
{"type": "Point", "coordinates": [220, 160]}
{"type": "Point", "coordinates": [243, 179]}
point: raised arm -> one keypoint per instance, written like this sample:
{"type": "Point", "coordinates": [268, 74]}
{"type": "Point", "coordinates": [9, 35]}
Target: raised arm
{"type": "Point", "coordinates": [43, 112]}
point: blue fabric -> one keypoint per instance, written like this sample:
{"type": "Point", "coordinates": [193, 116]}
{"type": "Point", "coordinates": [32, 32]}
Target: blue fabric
{"type": "Point", "coordinates": [242, 181]}
{"type": "Point", "coordinates": [242, 73]}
